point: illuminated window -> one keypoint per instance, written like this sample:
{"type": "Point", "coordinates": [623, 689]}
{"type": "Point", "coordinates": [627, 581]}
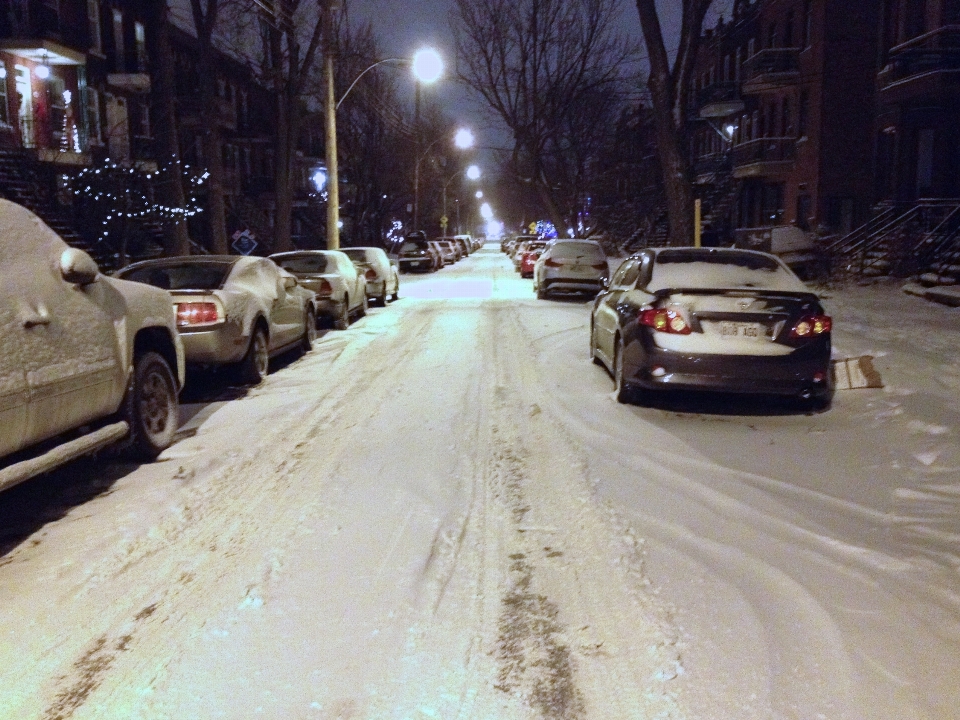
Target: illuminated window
{"type": "Point", "coordinates": [140, 38]}
{"type": "Point", "coordinates": [118, 48]}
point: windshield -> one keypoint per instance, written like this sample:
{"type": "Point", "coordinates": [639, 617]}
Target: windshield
{"type": "Point", "coordinates": [357, 255]}
{"type": "Point", "coordinates": [312, 264]}
{"type": "Point", "coordinates": [205, 276]}
{"type": "Point", "coordinates": [576, 250]}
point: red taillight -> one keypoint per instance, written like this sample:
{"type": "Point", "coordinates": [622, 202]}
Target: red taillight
{"type": "Point", "coordinates": [664, 320]}
{"type": "Point", "coordinates": [370, 274]}
{"type": "Point", "coordinates": [550, 262]}
{"type": "Point", "coordinates": [325, 288]}
{"type": "Point", "coordinates": [192, 314]}
{"type": "Point", "coordinates": [811, 326]}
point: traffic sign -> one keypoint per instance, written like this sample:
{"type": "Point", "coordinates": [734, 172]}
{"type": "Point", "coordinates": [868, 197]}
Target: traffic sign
{"type": "Point", "coordinates": [244, 242]}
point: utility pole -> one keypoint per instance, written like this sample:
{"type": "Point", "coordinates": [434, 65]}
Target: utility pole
{"type": "Point", "coordinates": [330, 112]}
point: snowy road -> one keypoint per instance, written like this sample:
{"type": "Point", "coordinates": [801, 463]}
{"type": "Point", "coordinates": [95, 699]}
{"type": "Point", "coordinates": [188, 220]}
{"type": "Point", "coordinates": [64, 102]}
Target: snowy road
{"type": "Point", "coordinates": [443, 513]}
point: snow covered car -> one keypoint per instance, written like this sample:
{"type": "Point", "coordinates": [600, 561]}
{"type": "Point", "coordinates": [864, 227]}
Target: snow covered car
{"type": "Point", "coordinates": [570, 266]}
{"type": "Point", "coordinates": [340, 288]}
{"type": "Point", "coordinates": [381, 275]}
{"type": "Point", "coordinates": [712, 319]}
{"type": "Point", "coordinates": [232, 309]}
{"type": "Point", "coordinates": [529, 257]}
{"type": "Point", "coordinates": [414, 253]}
{"type": "Point", "coordinates": [85, 360]}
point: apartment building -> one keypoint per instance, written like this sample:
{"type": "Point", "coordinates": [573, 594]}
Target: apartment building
{"type": "Point", "coordinates": [785, 104]}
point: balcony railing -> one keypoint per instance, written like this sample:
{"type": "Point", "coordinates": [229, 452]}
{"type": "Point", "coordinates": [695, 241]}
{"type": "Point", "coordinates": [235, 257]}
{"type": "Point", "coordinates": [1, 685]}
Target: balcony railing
{"type": "Point", "coordinates": [769, 68]}
{"type": "Point", "coordinates": [933, 52]}
{"type": "Point", "coordinates": [719, 100]}
{"type": "Point", "coordinates": [764, 154]}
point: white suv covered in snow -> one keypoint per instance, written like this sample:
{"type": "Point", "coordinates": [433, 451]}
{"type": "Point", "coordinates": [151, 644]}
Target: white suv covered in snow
{"type": "Point", "coordinates": [86, 360]}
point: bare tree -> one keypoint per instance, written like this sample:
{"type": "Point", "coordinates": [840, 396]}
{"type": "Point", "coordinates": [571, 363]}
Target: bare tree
{"type": "Point", "coordinates": [669, 87]}
{"type": "Point", "coordinates": [533, 61]}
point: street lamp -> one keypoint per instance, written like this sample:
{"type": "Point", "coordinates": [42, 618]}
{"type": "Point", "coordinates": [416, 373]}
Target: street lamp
{"type": "Point", "coordinates": [472, 173]}
{"type": "Point", "coordinates": [463, 139]}
{"type": "Point", "coordinates": [427, 67]}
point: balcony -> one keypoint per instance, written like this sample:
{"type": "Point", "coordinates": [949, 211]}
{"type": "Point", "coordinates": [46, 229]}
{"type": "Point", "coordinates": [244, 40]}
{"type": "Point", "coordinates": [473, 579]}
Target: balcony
{"type": "Point", "coordinates": [927, 66]}
{"type": "Point", "coordinates": [764, 156]}
{"type": "Point", "coordinates": [770, 69]}
{"type": "Point", "coordinates": [719, 100]}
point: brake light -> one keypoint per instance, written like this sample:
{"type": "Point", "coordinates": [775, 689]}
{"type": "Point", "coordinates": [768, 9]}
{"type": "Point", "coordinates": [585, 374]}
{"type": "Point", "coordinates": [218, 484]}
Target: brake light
{"type": "Point", "coordinates": [811, 326]}
{"type": "Point", "coordinates": [664, 320]}
{"type": "Point", "coordinates": [370, 274]}
{"type": "Point", "coordinates": [195, 314]}
{"type": "Point", "coordinates": [325, 288]}
{"type": "Point", "coordinates": [550, 262]}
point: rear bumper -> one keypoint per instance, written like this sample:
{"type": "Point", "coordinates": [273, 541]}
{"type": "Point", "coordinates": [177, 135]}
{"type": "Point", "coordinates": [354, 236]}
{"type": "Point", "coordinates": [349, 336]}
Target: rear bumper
{"type": "Point", "coordinates": [216, 346]}
{"type": "Point", "coordinates": [573, 285]}
{"type": "Point", "coordinates": [803, 373]}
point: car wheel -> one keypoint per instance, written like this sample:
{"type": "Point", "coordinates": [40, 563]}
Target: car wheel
{"type": "Point", "coordinates": [364, 306]}
{"type": "Point", "coordinates": [150, 407]}
{"type": "Point", "coordinates": [256, 363]}
{"type": "Point", "coordinates": [342, 321]}
{"type": "Point", "coordinates": [623, 390]}
{"type": "Point", "coordinates": [396, 291]}
{"type": "Point", "coordinates": [309, 332]}
{"type": "Point", "coordinates": [382, 298]}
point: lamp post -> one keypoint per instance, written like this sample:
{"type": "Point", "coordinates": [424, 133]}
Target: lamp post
{"type": "Point", "coordinates": [426, 66]}
{"type": "Point", "coordinates": [463, 140]}
{"type": "Point", "coordinates": [472, 173]}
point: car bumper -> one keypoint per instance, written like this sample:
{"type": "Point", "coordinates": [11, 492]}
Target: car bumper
{"type": "Point", "coordinates": [328, 307]}
{"type": "Point", "coordinates": [573, 285]}
{"type": "Point", "coordinates": [805, 372]}
{"type": "Point", "coordinates": [214, 346]}
{"type": "Point", "coordinates": [376, 288]}
{"type": "Point", "coordinates": [424, 265]}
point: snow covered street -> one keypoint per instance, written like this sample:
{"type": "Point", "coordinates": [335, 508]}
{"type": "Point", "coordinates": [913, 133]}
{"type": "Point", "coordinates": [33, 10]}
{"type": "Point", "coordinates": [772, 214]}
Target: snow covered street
{"type": "Point", "coordinates": [442, 512]}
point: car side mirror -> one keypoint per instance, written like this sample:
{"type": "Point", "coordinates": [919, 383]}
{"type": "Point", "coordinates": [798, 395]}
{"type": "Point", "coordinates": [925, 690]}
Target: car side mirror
{"type": "Point", "coordinates": [77, 267]}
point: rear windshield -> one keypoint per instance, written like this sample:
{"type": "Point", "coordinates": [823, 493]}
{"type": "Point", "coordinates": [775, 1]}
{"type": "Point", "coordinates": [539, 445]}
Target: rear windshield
{"type": "Point", "coordinates": [304, 264]}
{"type": "Point", "coordinates": [413, 245]}
{"type": "Point", "coordinates": [698, 269]}
{"type": "Point", "coordinates": [357, 255]}
{"type": "Point", "coordinates": [206, 276]}
{"type": "Point", "coordinates": [581, 251]}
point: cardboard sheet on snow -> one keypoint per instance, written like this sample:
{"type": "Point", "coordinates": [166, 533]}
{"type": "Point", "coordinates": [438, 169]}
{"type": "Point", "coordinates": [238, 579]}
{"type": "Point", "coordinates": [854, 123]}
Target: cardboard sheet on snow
{"type": "Point", "coordinates": [858, 372]}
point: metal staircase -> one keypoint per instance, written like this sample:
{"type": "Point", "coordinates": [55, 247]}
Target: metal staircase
{"type": "Point", "coordinates": [921, 239]}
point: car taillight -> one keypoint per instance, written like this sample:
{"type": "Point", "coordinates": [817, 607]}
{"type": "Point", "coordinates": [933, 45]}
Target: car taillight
{"type": "Point", "coordinates": [370, 274]}
{"type": "Point", "coordinates": [550, 262]}
{"type": "Point", "coordinates": [325, 288]}
{"type": "Point", "coordinates": [811, 326]}
{"type": "Point", "coordinates": [664, 320]}
{"type": "Point", "coordinates": [194, 314]}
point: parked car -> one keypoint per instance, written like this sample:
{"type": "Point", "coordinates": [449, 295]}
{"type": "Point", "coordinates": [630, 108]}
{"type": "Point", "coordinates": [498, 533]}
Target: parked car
{"type": "Point", "coordinates": [529, 257]}
{"type": "Point", "coordinates": [341, 290]}
{"type": "Point", "coordinates": [232, 309]}
{"type": "Point", "coordinates": [414, 253]}
{"type": "Point", "coordinates": [454, 248]}
{"type": "Point", "coordinates": [382, 276]}
{"type": "Point", "coordinates": [86, 361]}
{"type": "Point", "coordinates": [712, 319]}
{"type": "Point", "coordinates": [447, 254]}
{"type": "Point", "coordinates": [570, 266]}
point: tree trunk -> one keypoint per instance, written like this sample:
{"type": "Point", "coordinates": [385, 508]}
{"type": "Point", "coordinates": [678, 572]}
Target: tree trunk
{"type": "Point", "coordinates": [163, 97]}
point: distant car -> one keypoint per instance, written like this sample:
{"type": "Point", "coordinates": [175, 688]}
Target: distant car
{"type": "Point", "coordinates": [570, 266]}
{"type": "Point", "coordinates": [447, 254]}
{"type": "Point", "coordinates": [453, 247]}
{"type": "Point", "coordinates": [514, 246]}
{"type": "Point", "coordinates": [85, 360]}
{"type": "Point", "coordinates": [529, 257]}
{"type": "Point", "coordinates": [340, 288]}
{"type": "Point", "coordinates": [232, 309]}
{"type": "Point", "coordinates": [415, 254]}
{"type": "Point", "coordinates": [382, 277]}
{"type": "Point", "coordinates": [712, 319]}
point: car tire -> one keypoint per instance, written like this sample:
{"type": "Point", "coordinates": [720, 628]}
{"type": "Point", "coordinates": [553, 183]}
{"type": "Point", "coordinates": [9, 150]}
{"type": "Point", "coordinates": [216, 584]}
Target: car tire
{"type": "Point", "coordinates": [309, 332]}
{"type": "Point", "coordinates": [382, 299]}
{"type": "Point", "coordinates": [342, 321]}
{"type": "Point", "coordinates": [256, 363]}
{"type": "Point", "coordinates": [364, 306]}
{"type": "Point", "coordinates": [625, 394]}
{"type": "Point", "coordinates": [151, 407]}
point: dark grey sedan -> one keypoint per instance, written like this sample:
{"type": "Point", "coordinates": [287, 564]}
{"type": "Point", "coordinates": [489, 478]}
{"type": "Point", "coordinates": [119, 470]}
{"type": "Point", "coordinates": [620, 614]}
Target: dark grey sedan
{"type": "Point", "coordinates": [712, 319]}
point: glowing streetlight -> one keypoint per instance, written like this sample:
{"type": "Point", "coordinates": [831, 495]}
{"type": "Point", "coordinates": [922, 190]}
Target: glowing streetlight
{"type": "Point", "coordinates": [486, 212]}
{"type": "Point", "coordinates": [479, 194]}
{"type": "Point", "coordinates": [427, 65]}
{"type": "Point", "coordinates": [472, 173]}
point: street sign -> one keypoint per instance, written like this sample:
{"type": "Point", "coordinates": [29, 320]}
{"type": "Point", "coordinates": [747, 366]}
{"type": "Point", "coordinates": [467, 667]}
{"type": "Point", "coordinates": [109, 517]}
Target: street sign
{"type": "Point", "coordinates": [244, 242]}
{"type": "Point", "coordinates": [533, 227]}
{"type": "Point", "coordinates": [443, 222]}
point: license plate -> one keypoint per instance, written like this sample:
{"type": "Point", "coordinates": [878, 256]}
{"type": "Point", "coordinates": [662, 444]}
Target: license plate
{"type": "Point", "coordinates": [749, 331]}
{"type": "Point", "coordinates": [415, 264]}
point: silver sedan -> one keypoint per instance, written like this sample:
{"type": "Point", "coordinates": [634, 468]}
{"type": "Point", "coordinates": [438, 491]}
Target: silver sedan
{"type": "Point", "coordinates": [233, 309]}
{"type": "Point", "coordinates": [340, 289]}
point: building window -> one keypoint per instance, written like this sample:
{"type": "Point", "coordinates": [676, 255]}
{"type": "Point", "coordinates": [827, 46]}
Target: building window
{"type": "Point", "coordinates": [140, 38]}
{"type": "Point", "coordinates": [788, 30]}
{"type": "Point", "coordinates": [93, 25]}
{"type": "Point", "coordinates": [772, 35]}
{"type": "Point", "coordinates": [143, 127]}
{"type": "Point", "coordinates": [95, 132]}
{"type": "Point", "coordinates": [118, 48]}
{"type": "Point", "coordinates": [751, 47]}
{"type": "Point", "coordinates": [807, 24]}
{"type": "Point", "coordinates": [4, 100]}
